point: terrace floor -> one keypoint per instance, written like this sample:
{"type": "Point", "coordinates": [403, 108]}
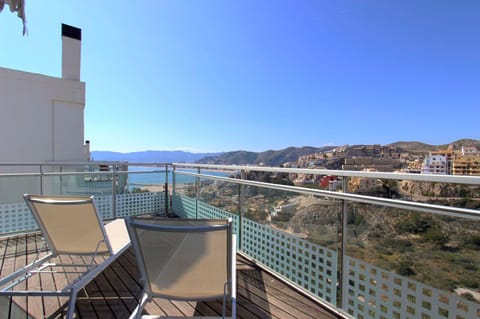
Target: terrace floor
{"type": "Point", "coordinates": [114, 293]}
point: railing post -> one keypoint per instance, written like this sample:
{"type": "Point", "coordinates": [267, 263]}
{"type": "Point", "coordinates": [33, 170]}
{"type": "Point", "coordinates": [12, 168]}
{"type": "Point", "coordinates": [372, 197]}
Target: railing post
{"type": "Point", "coordinates": [61, 179]}
{"type": "Point", "coordinates": [114, 191]}
{"type": "Point", "coordinates": [241, 193]}
{"type": "Point", "coordinates": [41, 179]}
{"type": "Point", "coordinates": [166, 189]}
{"type": "Point", "coordinates": [197, 192]}
{"type": "Point", "coordinates": [343, 248]}
{"type": "Point", "coordinates": [174, 182]}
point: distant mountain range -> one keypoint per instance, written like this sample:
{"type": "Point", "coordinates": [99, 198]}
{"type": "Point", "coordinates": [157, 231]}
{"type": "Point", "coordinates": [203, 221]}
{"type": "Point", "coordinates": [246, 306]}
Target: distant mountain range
{"type": "Point", "coordinates": [269, 158]}
{"type": "Point", "coordinates": [150, 156]}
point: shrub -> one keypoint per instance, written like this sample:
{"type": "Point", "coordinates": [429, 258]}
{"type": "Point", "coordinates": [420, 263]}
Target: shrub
{"type": "Point", "coordinates": [435, 236]}
{"type": "Point", "coordinates": [359, 220]}
{"type": "Point", "coordinates": [404, 267]}
{"type": "Point", "coordinates": [413, 224]}
{"type": "Point", "coordinates": [472, 241]}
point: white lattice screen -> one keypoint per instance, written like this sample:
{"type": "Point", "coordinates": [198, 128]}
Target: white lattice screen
{"type": "Point", "coordinates": [16, 217]}
{"type": "Point", "coordinates": [376, 293]}
{"type": "Point", "coordinates": [310, 266]}
{"type": "Point", "coordinates": [140, 203]}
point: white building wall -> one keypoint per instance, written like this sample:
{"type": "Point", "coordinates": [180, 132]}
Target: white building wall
{"type": "Point", "coordinates": [41, 118]}
{"type": "Point", "coordinates": [434, 164]}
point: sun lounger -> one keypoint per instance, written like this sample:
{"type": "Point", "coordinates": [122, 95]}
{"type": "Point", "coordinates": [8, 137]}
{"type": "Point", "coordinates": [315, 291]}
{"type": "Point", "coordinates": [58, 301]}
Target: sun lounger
{"type": "Point", "coordinates": [71, 226]}
{"type": "Point", "coordinates": [185, 260]}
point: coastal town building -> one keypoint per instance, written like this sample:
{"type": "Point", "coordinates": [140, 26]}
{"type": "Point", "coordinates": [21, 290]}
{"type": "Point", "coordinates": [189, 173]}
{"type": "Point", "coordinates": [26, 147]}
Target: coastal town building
{"type": "Point", "coordinates": [435, 164]}
{"type": "Point", "coordinates": [469, 150]}
{"type": "Point", "coordinates": [466, 165]}
{"type": "Point", "coordinates": [373, 163]}
{"type": "Point", "coordinates": [362, 184]}
{"type": "Point", "coordinates": [331, 183]}
{"type": "Point", "coordinates": [465, 161]}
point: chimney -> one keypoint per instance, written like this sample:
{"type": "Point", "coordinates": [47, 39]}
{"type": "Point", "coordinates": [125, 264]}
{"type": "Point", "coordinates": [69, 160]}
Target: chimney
{"type": "Point", "coordinates": [71, 47]}
{"type": "Point", "coordinates": [86, 149]}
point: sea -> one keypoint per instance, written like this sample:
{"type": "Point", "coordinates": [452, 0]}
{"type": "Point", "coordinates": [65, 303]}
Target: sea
{"type": "Point", "coordinates": [137, 179]}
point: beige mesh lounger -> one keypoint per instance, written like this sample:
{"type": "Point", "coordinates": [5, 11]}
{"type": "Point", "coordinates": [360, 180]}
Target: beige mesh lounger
{"type": "Point", "coordinates": [71, 226]}
{"type": "Point", "coordinates": [185, 259]}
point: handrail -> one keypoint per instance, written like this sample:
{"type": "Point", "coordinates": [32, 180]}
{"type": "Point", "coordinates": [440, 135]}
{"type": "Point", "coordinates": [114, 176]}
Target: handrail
{"type": "Point", "coordinates": [428, 208]}
{"type": "Point", "coordinates": [84, 163]}
{"type": "Point", "coordinates": [457, 179]}
{"type": "Point", "coordinates": [78, 173]}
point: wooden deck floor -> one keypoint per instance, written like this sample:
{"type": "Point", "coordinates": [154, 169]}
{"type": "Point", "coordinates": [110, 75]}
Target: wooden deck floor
{"type": "Point", "coordinates": [114, 293]}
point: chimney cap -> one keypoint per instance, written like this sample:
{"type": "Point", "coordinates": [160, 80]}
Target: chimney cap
{"type": "Point", "coordinates": [71, 32]}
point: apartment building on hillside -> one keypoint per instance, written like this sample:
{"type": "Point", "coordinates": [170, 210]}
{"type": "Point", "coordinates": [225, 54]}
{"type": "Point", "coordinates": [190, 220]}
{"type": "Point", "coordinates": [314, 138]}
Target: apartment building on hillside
{"type": "Point", "coordinates": [466, 165]}
{"type": "Point", "coordinates": [466, 161]}
{"type": "Point", "coordinates": [435, 164]}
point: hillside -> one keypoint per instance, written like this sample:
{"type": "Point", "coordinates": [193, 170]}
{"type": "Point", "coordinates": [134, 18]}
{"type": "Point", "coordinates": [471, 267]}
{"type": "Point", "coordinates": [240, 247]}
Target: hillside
{"type": "Point", "coordinates": [414, 146]}
{"type": "Point", "coordinates": [268, 158]}
{"type": "Point", "coordinates": [422, 147]}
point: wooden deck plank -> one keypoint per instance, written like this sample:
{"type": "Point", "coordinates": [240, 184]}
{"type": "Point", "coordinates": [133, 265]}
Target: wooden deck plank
{"type": "Point", "coordinates": [19, 262]}
{"type": "Point", "coordinates": [124, 301]}
{"type": "Point", "coordinates": [278, 293]}
{"type": "Point", "coordinates": [48, 281]}
{"type": "Point", "coordinates": [8, 264]}
{"type": "Point", "coordinates": [34, 307]}
{"type": "Point", "coordinates": [130, 290]}
{"type": "Point", "coordinates": [115, 292]}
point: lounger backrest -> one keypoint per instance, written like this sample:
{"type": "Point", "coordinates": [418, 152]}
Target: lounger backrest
{"type": "Point", "coordinates": [70, 225]}
{"type": "Point", "coordinates": [183, 259]}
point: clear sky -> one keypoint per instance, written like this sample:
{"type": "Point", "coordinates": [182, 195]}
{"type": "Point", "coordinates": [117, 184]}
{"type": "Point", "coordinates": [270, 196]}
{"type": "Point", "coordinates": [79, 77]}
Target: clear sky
{"type": "Point", "coordinates": [225, 75]}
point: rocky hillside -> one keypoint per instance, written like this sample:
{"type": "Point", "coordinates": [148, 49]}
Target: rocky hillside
{"type": "Point", "coordinates": [422, 147]}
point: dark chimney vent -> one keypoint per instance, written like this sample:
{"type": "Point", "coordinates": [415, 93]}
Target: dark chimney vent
{"type": "Point", "coordinates": [71, 32]}
{"type": "Point", "coordinates": [71, 51]}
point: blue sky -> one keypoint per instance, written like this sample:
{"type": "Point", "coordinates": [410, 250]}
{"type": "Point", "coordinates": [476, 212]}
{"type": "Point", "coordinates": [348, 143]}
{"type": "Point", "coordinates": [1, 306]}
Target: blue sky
{"type": "Point", "coordinates": [255, 75]}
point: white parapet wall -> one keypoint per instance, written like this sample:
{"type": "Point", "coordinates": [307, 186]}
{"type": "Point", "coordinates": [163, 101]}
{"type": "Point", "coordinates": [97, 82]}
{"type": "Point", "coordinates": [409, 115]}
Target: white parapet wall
{"type": "Point", "coordinates": [42, 118]}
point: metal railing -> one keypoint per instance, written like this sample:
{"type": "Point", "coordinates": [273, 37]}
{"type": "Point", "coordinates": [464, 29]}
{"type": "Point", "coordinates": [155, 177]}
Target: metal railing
{"type": "Point", "coordinates": [366, 245]}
